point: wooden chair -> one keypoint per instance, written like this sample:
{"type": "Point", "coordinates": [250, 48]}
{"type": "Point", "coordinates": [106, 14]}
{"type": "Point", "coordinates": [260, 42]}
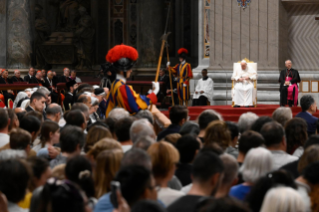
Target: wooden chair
{"type": "Point", "coordinates": [10, 104]}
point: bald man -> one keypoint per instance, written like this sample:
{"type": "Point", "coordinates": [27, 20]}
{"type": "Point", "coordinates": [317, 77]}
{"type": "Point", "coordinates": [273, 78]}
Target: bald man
{"type": "Point", "coordinates": [54, 112]}
{"type": "Point", "coordinates": [16, 77]}
{"type": "Point", "coordinates": [244, 87]}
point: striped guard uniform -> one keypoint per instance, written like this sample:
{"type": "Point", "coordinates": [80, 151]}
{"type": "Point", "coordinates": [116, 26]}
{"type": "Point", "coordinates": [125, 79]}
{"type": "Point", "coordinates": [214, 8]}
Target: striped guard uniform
{"type": "Point", "coordinates": [184, 72]}
{"type": "Point", "coordinates": [122, 95]}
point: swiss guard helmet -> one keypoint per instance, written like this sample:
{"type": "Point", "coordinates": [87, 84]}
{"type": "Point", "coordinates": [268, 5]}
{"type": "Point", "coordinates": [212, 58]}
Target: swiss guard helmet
{"type": "Point", "coordinates": [182, 53]}
{"type": "Point", "coordinates": [122, 57]}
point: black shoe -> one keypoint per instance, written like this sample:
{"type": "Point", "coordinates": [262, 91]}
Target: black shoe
{"type": "Point", "coordinates": [236, 106]}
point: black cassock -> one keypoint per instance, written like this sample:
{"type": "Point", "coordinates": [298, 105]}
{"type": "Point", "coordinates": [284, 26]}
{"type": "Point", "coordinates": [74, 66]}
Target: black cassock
{"type": "Point", "coordinates": [294, 74]}
{"type": "Point", "coordinates": [68, 100]}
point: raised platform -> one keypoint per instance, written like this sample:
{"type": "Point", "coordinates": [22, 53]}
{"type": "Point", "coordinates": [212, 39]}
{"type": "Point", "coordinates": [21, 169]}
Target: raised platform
{"type": "Point", "coordinates": [233, 114]}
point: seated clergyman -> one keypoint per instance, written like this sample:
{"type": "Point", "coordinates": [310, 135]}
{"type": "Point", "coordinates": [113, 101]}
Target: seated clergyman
{"type": "Point", "coordinates": [244, 86]}
{"type": "Point", "coordinates": [204, 90]}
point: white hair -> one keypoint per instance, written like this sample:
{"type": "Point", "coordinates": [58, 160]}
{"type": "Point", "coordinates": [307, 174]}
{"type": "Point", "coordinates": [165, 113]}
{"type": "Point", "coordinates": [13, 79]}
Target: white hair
{"type": "Point", "coordinates": [211, 111]}
{"type": "Point", "coordinates": [146, 114]}
{"type": "Point", "coordinates": [283, 199]}
{"type": "Point", "coordinates": [21, 95]}
{"type": "Point", "coordinates": [230, 169]}
{"type": "Point", "coordinates": [15, 71]}
{"type": "Point", "coordinates": [258, 162]}
{"type": "Point", "coordinates": [244, 61]}
{"type": "Point", "coordinates": [118, 113]}
{"type": "Point", "coordinates": [141, 128]}
{"type": "Point", "coordinates": [12, 154]}
{"type": "Point", "coordinates": [25, 103]}
{"type": "Point", "coordinates": [43, 90]}
{"type": "Point", "coordinates": [246, 120]}
{"type": "Point", "coordinates": [282, 115]}
{"type": "Point", "coordinates": [287, 61]}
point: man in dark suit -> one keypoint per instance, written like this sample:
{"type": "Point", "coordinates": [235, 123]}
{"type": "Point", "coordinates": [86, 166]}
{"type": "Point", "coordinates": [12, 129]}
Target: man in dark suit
{"type": "Point", "coordinates": [309, 107]}
{"type": "Point", "coordinates": [30, 75]}
{"type": "Point", "coordinates": [37, 103]}
{"type": "Point", "coordinates": [66, 74]}
{"type": "Point", "coordinates": [50, 84]}
{"type": "Point", "coordinates": [69, 96]}
{"type": "Point", "coordinates": [288, 80]}
{"type": "Point", "coordinates": [37, 79]}
{"type": "Point", "coordinates": [16, 77]}
{"type": "Point", "coordinates": [48, 81]}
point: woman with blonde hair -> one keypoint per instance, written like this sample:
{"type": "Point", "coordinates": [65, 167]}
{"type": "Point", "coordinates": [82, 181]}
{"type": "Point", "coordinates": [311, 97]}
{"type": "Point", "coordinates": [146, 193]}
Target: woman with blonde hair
{"type": "Point", "coordinates": [95, 134]}
{"type": "Point", "coordinates": [282, 199]}
{"type": "Point", "coordinates": [108, 163]}
{"type": "Point", "coordinates": [217, 132]}
{"type": "Point", "coordinates": [100, 146]}
{"type": "Point", "coordinates": [164, 157]}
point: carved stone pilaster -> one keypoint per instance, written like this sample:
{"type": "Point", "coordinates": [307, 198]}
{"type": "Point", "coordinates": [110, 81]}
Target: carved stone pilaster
{"type": "Point", "coordinates": [18, 34]}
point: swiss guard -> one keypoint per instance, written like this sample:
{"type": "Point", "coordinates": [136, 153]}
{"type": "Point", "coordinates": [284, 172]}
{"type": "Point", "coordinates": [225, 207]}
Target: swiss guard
{"type": "Point", "coordinates": [184, 72]}
{"type": "Point", "coordinates": [122, 59]}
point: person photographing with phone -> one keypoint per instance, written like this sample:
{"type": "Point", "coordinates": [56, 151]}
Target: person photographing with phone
{"type": "Point", "coordinates": [134, 182]}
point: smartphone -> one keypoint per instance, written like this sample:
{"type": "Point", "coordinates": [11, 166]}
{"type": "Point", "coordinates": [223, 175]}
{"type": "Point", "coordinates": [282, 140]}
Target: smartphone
{"type": "Point", "coordinates": [115, 186]}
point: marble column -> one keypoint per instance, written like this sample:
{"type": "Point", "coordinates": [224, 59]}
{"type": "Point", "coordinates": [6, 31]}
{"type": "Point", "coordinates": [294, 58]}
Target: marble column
{"type": "Point", "coordinates": [3, 27]}
{"type": "Point", "coordinates": [18, 36]}
{"type": "Point", "coordinates": [203, 61]}
{"type": "Point", "coordinates": [151, 28]}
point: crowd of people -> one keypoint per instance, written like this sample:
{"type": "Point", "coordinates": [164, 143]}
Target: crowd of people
{"type": "Point", "coordinates": [107, 148]}
{"type": "Point", "coordinates": [52, 159]}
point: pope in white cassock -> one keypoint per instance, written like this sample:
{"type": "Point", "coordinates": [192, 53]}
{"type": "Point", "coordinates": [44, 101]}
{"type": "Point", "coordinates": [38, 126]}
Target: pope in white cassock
{"type": "Point", "coordinates": [203, 91]}
{"type": "Point", "coordinates": [244, 86]}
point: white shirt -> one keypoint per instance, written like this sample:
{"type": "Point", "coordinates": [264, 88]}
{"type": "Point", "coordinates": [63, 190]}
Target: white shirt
{"type": "Point", "coordinates": [187, 188]}
{"type": "Point", "coordinates": [12, 207]}
{"type": "Point", "coordinates": [206, 86]}
{"type": "Point", "coordinates": [281, 158]}
{"type": "Point", "coordinates": [4, 139]}
{"type": "Point", "coordinates": [120, 77]}
{"type": "Point", "coordinates": [168, 195]}
{"type": "Point", "coordinates": [298, 152]}
{"type": "Point", "coordinates": [77, 80]}
{"type": "Point", "coordinates": [126, 148]}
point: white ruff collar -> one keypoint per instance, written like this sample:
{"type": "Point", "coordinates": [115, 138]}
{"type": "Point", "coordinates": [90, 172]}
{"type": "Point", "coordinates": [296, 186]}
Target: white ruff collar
{"type": "Point", "coordinates": [120, 77]}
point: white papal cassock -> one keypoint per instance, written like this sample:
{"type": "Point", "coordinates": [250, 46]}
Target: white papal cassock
{"type": "Point", "coordinates": [244, 91]}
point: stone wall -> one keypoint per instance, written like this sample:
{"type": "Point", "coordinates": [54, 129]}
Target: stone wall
{"type": "Point", "coordinates": [303, 32]}
{"type": "Point", "coordinates": [3, 32]}
{"type": "Point", "coordinates": [251, 33]}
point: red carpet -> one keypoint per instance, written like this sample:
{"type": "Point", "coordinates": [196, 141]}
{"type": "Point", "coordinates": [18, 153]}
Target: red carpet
{"type": "Point", "coordinates": [233, 114]}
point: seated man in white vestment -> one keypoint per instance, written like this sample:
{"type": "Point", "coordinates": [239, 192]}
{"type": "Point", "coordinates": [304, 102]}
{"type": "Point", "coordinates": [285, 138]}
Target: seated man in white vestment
{"type": "Point", "coordinates": [204, 90]}
{"type": "Point", "coordinates": [244, 86]}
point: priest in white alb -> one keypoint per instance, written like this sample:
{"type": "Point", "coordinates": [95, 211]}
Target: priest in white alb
{"type": "Point", "coordinates": [204, 90]}
{"type": "Point", "coordinates": [243, 92]}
